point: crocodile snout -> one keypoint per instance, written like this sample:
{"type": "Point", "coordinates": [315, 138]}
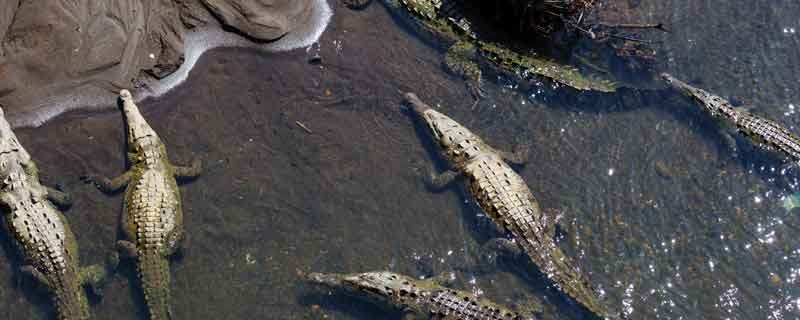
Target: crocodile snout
{"type": "Point", "coordinates": [323, 279]}
{"type": "Point", "coordinates": [413, 103]}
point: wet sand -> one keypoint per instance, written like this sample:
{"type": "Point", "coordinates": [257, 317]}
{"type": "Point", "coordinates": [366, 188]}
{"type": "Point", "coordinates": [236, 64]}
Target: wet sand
{"type": "Point", "coordinates": [641, 180]}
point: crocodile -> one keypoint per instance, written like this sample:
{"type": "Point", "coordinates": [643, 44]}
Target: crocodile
{"type": "Point", "coordinates": [506, 199]}
{"type": "Point", "coordinates": [417, 299]}
{"type": "Point", "coordinates": [761, 131]}
{"type": "Point", "coordinates": [40, 231]}
{"type": "Point", "coordinates": [441, 22]}
{"type": "Point", "coordinates": [152, 219]}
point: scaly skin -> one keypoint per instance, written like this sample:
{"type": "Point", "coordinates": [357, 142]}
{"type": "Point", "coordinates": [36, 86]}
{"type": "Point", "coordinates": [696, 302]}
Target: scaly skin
{"type": "Point", "coordinates": [507, 200]}
{"type": "Point", "coordinates": [152, 220]}
{"type": "Point", "coordinates": [418, 299]}
{"type": "Point", "coordinates": [762, 132]}
{"type": "Point", "coordinates": [41, 231]}
{"type": "Point", "coordinates": [439, 21]}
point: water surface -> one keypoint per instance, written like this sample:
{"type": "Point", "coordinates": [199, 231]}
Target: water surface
{"type": "Point", "coordinates": [653, 206]}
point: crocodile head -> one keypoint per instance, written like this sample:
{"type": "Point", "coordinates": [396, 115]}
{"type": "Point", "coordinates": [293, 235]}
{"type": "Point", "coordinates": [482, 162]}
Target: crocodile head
{"type": "Point", "coordinates": [712, 103]}
{"type": "Point", "coordinates": [139, 131]}
{"type": "Point", "coordinates": [8, 140]}
{"type": "Point", "coordinates": [377, 286]}
{"type": "Point", "coordinates": [459, 142]}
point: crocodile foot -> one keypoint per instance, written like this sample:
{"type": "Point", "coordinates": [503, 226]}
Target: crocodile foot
{"type": "Point", "coordinates": [357, 4]}
{"type": "Point", "coordinates": [494, 249]}
{"type": "Point", "coordinates": [438, 182]}
{"type": "Point", "coordinates": [191, 171]}
{"type": "Point", "coordinates": [460, 61]}
{"type": "Point", "coordinates": [105, 184]}
{"type": "Point", "coordinates": [59, 197]}
{"type": "Point", "coordinates": [528, 305]}
{"type": "Point", "coordinates": [729, 140]}
{"type": "Point", "coordinates": [177, 244]}
{"type": "Point", "coordinates": [96, 277]}
{"type": "Point", "coordinates": [519, 154]}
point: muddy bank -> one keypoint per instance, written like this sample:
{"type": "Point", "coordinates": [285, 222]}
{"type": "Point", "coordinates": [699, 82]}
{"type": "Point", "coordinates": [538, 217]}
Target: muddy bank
{"type": "Point", "coordinates": [57, 56]}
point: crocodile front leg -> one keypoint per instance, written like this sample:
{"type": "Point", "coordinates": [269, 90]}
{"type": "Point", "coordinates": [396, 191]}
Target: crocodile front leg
{"type": "Point", "coordinates": [59, 198]}
{"type": "Point", "coordinates": [108, 185]}
{"type": "Point", "coordinates": [189, 172]}
{"type": "Point", "coordinates": [438, 182]}
{"type": "Point", "coordinates": [460, 61]}
{"type": "Point", "coordinates": [519, 154]}
{"type": "Point", "coordinates": [729, 140]}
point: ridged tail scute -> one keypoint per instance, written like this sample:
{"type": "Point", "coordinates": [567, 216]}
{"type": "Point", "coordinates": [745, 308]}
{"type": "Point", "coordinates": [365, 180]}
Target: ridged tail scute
{"type": "Point", "coordinates": [155, 280]}
{"type": "Point", "coordinates": [561, 271]}
{"type": "Point", "coordinates": [69, 298]}
{"type": "Point", "coordinates": [70, 301]}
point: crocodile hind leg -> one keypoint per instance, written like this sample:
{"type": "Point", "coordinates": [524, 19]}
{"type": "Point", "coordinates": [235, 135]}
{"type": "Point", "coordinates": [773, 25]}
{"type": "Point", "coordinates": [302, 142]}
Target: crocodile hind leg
{"type": "Point", "coordinates": [494, 249]}
{"type": "Point", "coordinates": [460, 61]}
{"type": "Point", "coordinates": [728, 135]}
{"type": "Point", "coordinates": [98, 276]}
{"type": "Point", "coordinates": [438, 182]}
{"type": "Point", "coordinates": [176, 243]}
{"type": "Point", "coordinates": [127, 249]}
{"type": "Point", "coordinates": [189, 172]}
{"type": "Point", "coordinates": [108, 185]}
{"type": "Point", "coordinates": [35, 274]}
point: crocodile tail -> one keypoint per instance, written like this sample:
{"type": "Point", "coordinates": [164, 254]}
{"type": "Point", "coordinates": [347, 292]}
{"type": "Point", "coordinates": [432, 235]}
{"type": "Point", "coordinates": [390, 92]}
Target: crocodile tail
{"type": "Point", "coordinates": [155, 280]}
{"type": "Point", "coordinates": [560, 269]}
{"type": "Point", "coordinates": [70, 301]}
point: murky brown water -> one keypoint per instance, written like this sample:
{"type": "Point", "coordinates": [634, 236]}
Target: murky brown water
{"type": "Point", "coordinates": [655, 209]}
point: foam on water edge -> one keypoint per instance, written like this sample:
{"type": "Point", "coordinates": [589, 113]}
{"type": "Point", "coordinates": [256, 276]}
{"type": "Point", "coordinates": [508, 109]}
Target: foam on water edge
{"type": "Point", "coordinates": [197, 42]}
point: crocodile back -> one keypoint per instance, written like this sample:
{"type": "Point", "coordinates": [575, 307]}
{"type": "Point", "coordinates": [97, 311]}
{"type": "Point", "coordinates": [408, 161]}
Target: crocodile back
{"type": "Point", "coordinates": [506, 198]}
{"type": "Point", "coordinates": [152, 217]}
{"type": "Point", "coordinates": [450, 304]}
{"type": "Point", "coordinates": [38, 228]}
{"type": "Point", "coordinates": [152, 210]}
{"type": "Point", "coordinates": [47, 245]}
{"type": "Point", "coordinates": [764, 132]}
{"type": "Point", "coordinates": [769, 134]}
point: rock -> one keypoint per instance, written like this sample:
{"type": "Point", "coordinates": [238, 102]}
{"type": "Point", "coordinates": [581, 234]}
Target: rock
{"type": "Point", "coordinates": [263, 20]}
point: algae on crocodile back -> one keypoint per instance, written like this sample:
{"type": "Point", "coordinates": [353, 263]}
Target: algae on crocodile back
{"type": "Point", "coordinates": [522, 65]}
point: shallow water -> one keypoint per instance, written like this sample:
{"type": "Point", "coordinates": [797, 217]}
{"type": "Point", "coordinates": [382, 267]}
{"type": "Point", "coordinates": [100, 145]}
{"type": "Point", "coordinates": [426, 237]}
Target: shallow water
{"type": "Point", "coordinates": [654, 207]}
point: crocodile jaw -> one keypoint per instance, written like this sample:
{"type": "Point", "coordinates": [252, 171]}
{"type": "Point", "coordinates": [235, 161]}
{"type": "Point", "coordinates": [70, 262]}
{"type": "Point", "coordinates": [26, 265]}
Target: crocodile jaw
{"type": "Point", "coordinates": [8, 140]}
{"type": "Point", "coordinates": [712, 103]}
{"type": "Point", "coordinates": [378, 286]}
{"type": "Point", "coordinates": [329, 280]}
{"type": "Point", "coordinates": [442, 128]}
{"type": "Point", "coordinates": [138, 127]}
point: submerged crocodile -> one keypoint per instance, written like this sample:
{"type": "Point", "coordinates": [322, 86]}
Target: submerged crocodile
{"type": "Point", "coordinates": [506, 199]}
{"type": "Point", "coordinates": [417, 299]}
{"type": "Point", "coordinates": [152, 220]}
{"type": "Point", "coordinates": [40, 231]}
{"type": "Point", "coordinates": [440, 21]}
{"type": "Point", "coordinates": [762, 132]}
